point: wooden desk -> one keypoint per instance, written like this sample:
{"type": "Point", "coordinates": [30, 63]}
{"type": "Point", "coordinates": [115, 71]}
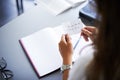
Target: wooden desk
{"type": "Point", "coordinates": [27, 23]}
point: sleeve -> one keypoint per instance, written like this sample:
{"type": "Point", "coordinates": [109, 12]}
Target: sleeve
{"type": "Point", "coordinates": [78, 70]}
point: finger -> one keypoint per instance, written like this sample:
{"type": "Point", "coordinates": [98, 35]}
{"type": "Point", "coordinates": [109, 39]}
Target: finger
{"type": "Point", "coordinates": [85, 37]}
{"type": "Point", "coordinates": [90, 28]}
{"type": "Point", "coordinates": [86, 32]}
{"type": "Point", "coordinates": [62, 41]}
{"type": "Point", "coordinates": [68, 38]}
{"type": "Point", "coordinates": [63, 38]}
{"type": "Point", "coordinates": [82, 32]}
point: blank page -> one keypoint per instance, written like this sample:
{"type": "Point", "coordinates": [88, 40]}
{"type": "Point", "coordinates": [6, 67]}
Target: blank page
{"type": "Point", "coordinates": [42, 50]}
{"type": "Point", "coordinates": [56, 6]}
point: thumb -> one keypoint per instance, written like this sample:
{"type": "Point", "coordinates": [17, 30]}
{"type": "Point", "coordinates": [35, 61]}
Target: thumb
{"type": "Point", "coordinates": [68, 38]}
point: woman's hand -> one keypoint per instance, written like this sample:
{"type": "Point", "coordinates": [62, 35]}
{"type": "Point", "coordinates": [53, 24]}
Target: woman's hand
{"type": "Point", "coordinates": [66, 49]}
{"type": "Point", "coordinates": [89, 31]}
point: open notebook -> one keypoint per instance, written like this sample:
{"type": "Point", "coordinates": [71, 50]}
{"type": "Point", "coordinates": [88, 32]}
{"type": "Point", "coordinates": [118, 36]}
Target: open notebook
{"type": "Point", "coordinates": [41, 47]}
{"type": "Point", "coordinates": [59, 6]}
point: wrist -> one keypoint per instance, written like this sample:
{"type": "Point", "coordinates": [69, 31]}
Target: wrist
{"type": "Point", "coordinates": [65, 67]}
{"type": "Point", "coordinates": [67, 61]}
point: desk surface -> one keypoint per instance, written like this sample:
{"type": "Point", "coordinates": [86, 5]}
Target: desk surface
{"type": "Point", "coordinates": [27, 23]}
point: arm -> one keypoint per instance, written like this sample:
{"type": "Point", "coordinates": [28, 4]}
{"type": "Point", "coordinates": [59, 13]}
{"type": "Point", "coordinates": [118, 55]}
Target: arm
{"type": "Point", "coordinates": [66, 50]}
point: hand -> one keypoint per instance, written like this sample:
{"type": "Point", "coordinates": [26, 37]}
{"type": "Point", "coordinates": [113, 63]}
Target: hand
{"type": "Point", "coordinates": [89, 31]}
{"type": "Point", "coordinates": [66, 49]}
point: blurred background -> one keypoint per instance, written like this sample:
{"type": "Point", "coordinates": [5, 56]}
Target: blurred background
{"type": "Point", "coordinates": [10, 9]}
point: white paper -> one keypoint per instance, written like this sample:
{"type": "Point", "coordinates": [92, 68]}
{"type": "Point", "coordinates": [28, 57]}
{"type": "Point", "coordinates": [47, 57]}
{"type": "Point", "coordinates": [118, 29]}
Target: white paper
{"type": "Point", "coordinates": [42, 47]}
{"type": "Point", "coordinates": [55, 6]}
{"type": "Point", "coordinates": [58, 6]}
{"type": "Point", "coordinates": [73, 28]}
{"type": "Point", "coordinates": [75, 3]}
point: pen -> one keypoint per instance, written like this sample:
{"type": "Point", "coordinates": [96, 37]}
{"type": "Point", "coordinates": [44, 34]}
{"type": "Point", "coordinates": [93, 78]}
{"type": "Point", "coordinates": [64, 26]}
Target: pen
{"type": "Point", "coordinates": [77, 43]}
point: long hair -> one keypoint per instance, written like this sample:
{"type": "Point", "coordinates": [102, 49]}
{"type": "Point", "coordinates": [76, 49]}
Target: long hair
{"type": "Point", "coordinates": [106, 62]}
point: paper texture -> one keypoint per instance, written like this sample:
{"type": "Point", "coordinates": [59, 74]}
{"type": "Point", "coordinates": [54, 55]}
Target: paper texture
{"type": "Point", "coordinates": [41, 47]}
{"type": "Point", "coordinates": [58, 6]}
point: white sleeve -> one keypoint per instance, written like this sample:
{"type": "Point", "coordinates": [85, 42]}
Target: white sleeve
{"type": "Point", "coordinates": [78, 70]}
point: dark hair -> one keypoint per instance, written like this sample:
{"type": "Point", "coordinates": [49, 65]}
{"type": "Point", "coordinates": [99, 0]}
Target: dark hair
{"type": "Point", "coordinates": [106, 62]}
